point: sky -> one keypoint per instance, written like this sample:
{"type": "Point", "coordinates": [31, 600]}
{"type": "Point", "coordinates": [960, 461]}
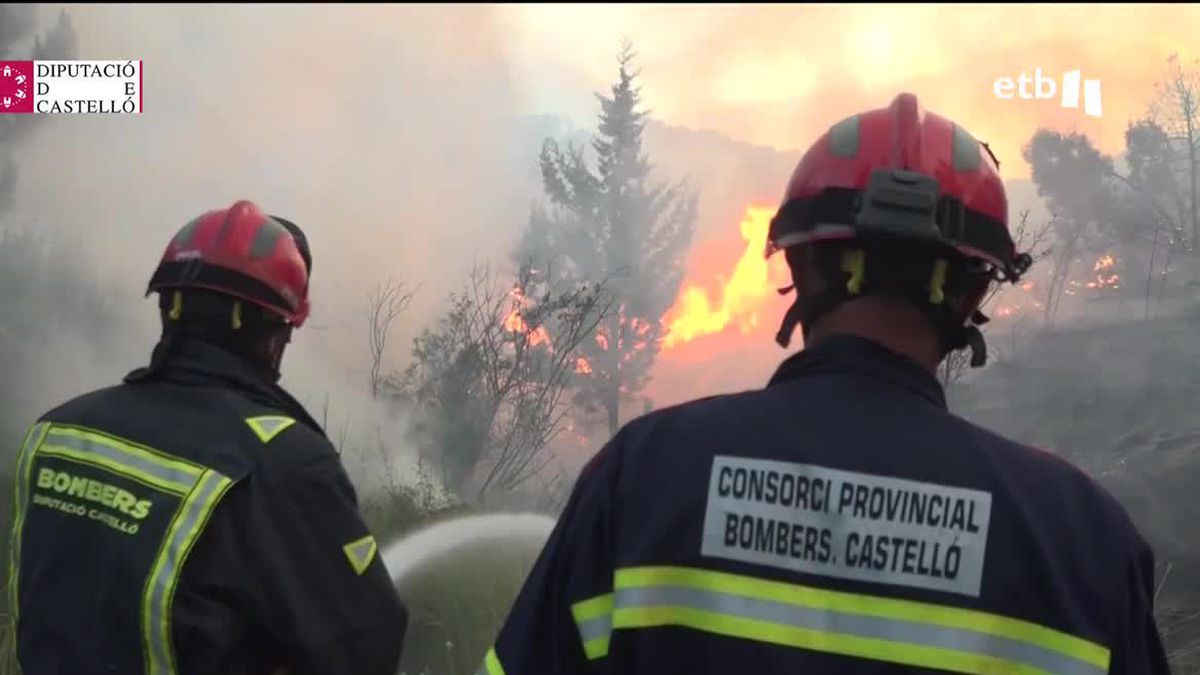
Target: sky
{"type": "Point", "coordinates": [779, 74]}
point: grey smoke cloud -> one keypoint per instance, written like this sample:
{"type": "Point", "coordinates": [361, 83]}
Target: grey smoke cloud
{"type": "Point", "coordinates": [384, 131]}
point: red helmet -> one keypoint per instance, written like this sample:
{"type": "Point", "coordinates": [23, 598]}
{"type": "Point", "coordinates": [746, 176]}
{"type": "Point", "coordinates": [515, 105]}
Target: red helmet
{"type": "Point", "coordinates": [902, 172]}
{"type": "Point", "coordinates": [241, 252]}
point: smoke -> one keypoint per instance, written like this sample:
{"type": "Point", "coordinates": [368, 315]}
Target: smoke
{"type": "Point", "coordinates": [392, 135]}
{"type": "Point", "coordinates": [385, 132]}
{"type": "Point", "coordinates": [19, 40]}
{"type": "Point", "coordinates": [779, 75]}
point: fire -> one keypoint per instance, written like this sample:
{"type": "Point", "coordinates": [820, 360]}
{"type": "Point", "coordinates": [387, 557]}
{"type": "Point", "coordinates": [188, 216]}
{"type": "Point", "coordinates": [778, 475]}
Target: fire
{"type": "Point", "coordinates": [515, 323]}
{"type": "Point", "coordinates": [1104, 277]}
{"type": "Point", "coordinates": [582, 366]}
{"type": "Point", "coordinates": [741, 297]}
{"type": "Point", "coordinates": [1023, 299]}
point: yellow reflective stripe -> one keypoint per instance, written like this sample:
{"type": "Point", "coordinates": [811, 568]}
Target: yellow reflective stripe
{"type": "Point", "coordinates": [159, 593]}
{"type": "Point", "coordinates": [21, 483]}
{"type": "Point", "coordinates": [491, 664]}
{"type": "Point", "coordinates": [591, 608]}
{"type": "Point", "coordinates": [930, 622]}
{"type": "Point", "coordinates": [593, 618]}
{"type": "Point", "coordinates": [906, 610]}
{"type": "Point", "coordinates": [142, 453]}
{"type": "Point", "coordinates": [597, 647]}
{"type": "Point", "coordinates": [139, 463]}
{"type": "Point", "coordinates": [108, 465]}
{"type": "Point", "coordinates": [835, 643]}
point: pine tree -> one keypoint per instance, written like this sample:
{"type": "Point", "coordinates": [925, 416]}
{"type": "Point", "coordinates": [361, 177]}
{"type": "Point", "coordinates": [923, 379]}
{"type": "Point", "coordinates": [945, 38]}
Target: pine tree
{"type": "Point", "coordinates": [612, 224]}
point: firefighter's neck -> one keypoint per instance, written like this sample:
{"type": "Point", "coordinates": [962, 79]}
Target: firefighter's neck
{"type": "Point", "coordinates": [898, 326]}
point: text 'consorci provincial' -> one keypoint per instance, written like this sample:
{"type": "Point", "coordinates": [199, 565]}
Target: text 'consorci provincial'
{"type": "Point", "coordinates": [846, 524]}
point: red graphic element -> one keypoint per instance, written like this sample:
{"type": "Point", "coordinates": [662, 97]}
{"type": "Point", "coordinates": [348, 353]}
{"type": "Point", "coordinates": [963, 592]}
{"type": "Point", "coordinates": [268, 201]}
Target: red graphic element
{"type": "Point", "coordinates": [16, 86]}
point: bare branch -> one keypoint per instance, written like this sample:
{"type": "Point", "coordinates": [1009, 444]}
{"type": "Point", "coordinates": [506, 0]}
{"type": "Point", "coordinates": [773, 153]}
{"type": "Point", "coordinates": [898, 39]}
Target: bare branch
{"type": "Point", "coordinates": [1027, 238]}
{"type": "Point", "coordinates": [1163, 582]}
{"type": "Point", "coordinates": [494, 372]}
{"type": "Point", "coordinates": [387, 302]}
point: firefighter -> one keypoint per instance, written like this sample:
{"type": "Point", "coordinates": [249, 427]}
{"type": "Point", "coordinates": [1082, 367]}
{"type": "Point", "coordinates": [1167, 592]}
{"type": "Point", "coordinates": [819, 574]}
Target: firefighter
{"type": "Point", "coordinates": [841, 520]}
{"type": "Point", "coordinates": [195, 520]}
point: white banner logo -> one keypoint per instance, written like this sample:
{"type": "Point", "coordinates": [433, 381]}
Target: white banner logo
{"type": "Point", "coordinates": [1043, 87]}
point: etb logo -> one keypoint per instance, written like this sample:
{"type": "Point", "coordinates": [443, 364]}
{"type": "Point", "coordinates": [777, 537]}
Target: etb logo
{"type": "Point", "coordinates": [1044, 87]}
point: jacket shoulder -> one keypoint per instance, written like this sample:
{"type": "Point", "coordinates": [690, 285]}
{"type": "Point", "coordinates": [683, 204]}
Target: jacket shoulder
{"type": "Point", "coordinates": [700, 412]}
{"type": "Point", "coordinates": [283, 441]}
{"type": "Point", "coordinates": [1048, 478]}
{"type": "Point", "coordinates": [691, 418]}
{"type": "Point", "coordinates": [224, 425]}
{"type": "Point", "coordinates": [83, 405]}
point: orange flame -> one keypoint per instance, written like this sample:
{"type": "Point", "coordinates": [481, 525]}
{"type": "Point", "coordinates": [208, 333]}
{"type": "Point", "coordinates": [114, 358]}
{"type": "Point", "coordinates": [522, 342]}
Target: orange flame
{"type": "Point", "coordinates": [1104, 280]}
{"type": "Point", "coordinates": [515, 323]}
{"type": "Point", "coordinates": [741, 298]}
{"type": "Point", "coordinates": [582, 366]}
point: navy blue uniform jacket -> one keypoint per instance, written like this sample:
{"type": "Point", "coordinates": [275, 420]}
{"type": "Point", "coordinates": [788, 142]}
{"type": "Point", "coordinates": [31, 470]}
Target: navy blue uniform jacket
{"type": "Point", "coordinates": [840, 520]}
{"type": "Point", "coordinates": [197, 522]}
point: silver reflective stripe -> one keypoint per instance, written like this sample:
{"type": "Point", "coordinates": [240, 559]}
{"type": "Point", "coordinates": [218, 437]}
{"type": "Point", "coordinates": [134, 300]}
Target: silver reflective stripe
{"type": "Point", "coordinates": [172, 475]}
{"type": "Point", "coordinates": [20, 502]}
{"type": "Point", "coordinates": [856, 625]}
{"type": "Point", "coordinates": [593, 619]}
{"type": "Point", "coordinates": [595, 629]}
{"type": "Point", "coordinates": [160, 585]}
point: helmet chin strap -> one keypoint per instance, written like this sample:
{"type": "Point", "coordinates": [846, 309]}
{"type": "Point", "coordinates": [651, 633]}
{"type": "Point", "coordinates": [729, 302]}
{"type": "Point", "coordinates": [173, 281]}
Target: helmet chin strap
{"type": "Point", "coordinates": [953, 333]}
{"type": "Point", "coordinates": [968, 336]}
{"type": "Point", "coordinates": [275, 346]}
{"type": "Point", "coordinates": [791, 319]}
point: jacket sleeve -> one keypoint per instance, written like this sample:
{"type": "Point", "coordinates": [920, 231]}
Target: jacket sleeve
{"type": "Point", "coordinates": [319, 587]}
{"type": "Point", "coordinates": [1139, 648]}
{"type": "Point", "coordinates": [562, 617]}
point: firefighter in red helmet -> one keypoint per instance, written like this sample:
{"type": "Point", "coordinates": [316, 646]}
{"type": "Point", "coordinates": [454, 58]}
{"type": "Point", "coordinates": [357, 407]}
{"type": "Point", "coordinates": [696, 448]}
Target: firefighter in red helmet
{"type": "Point", "coordinates": [841, 519]}
{"type": "Point", "coordinates": [195, 519]}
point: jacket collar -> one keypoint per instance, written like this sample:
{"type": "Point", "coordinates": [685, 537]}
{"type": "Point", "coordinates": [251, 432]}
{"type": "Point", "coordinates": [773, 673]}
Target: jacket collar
{"type": "Point", "coordinates": [192, 362]}
{"type": "Point", "coordinates": [860, 356]}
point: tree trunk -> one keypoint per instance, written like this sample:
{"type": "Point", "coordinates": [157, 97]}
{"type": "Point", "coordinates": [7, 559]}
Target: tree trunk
{"type": "Point", "coordinates": [613, 404]}
{"type": "Point", "coordinates": [1058, 280]}
{"type": "Point", "coordinates": [1191, 141]}
{"type": "Point", "coordinates": [1162, 279]}
{"type": "Point", "coordinates": [1150, 273]}
{"type": "Point", "coordinates": [612, 400]}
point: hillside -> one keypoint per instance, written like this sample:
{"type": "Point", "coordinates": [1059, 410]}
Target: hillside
{"type": "Point", "coordinates": [1119, 400]}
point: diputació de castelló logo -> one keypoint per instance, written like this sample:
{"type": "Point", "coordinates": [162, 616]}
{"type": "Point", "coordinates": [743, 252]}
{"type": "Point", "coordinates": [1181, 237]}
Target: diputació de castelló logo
{"type": "Point", "coordinates": [16, 88]}
{"type": "Point", "coordinates": [71, 87]}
